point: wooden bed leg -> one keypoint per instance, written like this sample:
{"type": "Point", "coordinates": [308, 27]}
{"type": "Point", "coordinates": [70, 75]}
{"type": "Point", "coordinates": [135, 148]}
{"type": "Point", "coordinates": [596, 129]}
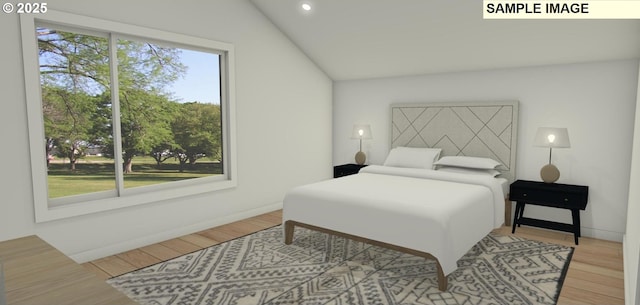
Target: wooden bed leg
{"type": "Point", "coordinates": [507, 212]}
{"type": "Point", "coordinates": [442, 279]}
{"type": "Point", "coordinates": [288, 232]}
{"type": "Point", "coordinates": [288, 239]}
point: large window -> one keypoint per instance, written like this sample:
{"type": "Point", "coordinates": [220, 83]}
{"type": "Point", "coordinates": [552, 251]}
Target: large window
{"type": "Point", "coordinates": [122, 115]}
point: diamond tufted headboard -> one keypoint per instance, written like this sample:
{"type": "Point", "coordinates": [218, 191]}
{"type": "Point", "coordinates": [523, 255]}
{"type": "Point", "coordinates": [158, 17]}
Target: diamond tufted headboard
{"type": "Point", "coordinates": [479, 129]}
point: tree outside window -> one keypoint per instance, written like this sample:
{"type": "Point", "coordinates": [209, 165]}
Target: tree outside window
{"type": "Point", "coordinates": [168, 107]}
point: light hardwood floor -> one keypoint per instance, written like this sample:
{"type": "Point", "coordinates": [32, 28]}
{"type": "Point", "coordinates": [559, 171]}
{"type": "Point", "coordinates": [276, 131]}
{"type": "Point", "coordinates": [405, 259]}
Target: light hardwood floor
{"type": "Point", "coordinates": [595, 274]}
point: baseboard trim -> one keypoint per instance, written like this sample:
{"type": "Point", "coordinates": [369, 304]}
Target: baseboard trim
{"type": "Point", "coordinates": [625, 264]}
{"type": "Point", "coordinates": [101, 252]}
{"type": "Point", "coordinates": [602, 234]}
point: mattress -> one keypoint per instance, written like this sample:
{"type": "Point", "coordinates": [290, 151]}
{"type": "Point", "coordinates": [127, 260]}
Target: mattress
{"type": "Point", "coordinates": [440, 213]}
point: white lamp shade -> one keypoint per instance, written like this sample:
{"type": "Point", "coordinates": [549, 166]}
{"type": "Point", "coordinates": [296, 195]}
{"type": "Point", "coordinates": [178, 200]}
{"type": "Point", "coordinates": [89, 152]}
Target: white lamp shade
{"type": "Point", "coordinates": [552, 137]}
{"type": "Point", "coordinates": [361, 132]}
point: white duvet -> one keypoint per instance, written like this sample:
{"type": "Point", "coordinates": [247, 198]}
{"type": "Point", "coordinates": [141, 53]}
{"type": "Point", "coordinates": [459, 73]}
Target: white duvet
{"type": "Point", "coordinates": [440, 213]}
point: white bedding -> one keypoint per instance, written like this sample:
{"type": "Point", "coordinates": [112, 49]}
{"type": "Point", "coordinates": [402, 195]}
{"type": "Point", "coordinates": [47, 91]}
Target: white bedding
{"type": "Point", "coordinates": [440, 213]}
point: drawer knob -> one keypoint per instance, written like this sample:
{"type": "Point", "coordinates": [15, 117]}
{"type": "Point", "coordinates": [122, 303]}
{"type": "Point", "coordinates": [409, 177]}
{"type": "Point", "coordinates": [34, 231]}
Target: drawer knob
{"type": "Point", "coordinates": [524, 195]}
{"type": "Point", "coordinates": [566, 199]}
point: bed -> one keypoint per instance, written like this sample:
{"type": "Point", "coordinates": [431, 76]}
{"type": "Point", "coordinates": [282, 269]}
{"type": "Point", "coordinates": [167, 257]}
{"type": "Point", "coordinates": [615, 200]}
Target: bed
{"type": "Point", "coordinates": [441, 190]}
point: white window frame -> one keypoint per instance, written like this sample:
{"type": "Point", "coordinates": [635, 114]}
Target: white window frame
{"type": "Point", "coordinates": [51, 209]}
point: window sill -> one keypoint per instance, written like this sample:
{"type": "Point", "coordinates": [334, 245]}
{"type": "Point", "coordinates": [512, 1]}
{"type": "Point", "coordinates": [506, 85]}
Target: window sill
{"type": "Point", "coordinates": [56, 210]}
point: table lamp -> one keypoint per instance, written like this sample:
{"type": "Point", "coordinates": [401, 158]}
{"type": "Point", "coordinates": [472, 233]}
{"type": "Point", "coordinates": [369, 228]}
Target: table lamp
{"type": "Point", "coordinates": [553, 138]}
{"type": "Point", "coordinates": [361, 132]}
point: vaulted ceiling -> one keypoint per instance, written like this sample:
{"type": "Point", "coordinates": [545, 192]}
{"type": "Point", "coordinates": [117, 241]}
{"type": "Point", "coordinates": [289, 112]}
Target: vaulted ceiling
{"type": "Point", "coordinates": [359, 39]}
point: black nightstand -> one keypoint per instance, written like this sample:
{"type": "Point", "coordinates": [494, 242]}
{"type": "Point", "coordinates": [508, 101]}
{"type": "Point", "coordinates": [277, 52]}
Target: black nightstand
{"type": "Point", "coordinates": [564, 196]}
{"type": "Point", "coordinates": [346, 170]}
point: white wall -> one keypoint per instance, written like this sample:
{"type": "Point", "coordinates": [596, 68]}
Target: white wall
{"type": "Point", "coordinates": [595, 101]}
{"type": "Point", "coordinates": [632, 236]}
{"type": "Point", "coordinates": [277, 89]}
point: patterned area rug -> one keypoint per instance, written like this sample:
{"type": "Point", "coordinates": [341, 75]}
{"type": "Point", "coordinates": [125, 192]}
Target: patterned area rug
{"type": "Point", "coordinates": [322, 269]}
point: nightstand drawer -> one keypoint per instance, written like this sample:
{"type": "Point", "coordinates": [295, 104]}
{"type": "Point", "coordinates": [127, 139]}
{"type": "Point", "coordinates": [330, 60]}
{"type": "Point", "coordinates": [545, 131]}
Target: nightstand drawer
{"type": "Point", "coordinates": [549, 198]}
{"type": "Point", "coordinates": [549, 194]}
{"type": "Point", "coordinates": [346, 170]}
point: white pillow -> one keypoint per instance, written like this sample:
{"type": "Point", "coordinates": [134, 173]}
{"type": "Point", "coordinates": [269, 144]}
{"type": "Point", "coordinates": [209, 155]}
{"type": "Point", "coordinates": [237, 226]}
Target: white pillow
{"type": "Point", "coordinates": [412, 157]}
{"type": "Point", "coordinates": [469, 162]}
{"type": "Point", "coordinates": [470, 171]}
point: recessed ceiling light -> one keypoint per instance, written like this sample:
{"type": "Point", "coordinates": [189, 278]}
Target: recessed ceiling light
{"type": "Point", "coordinates": [306, 6]}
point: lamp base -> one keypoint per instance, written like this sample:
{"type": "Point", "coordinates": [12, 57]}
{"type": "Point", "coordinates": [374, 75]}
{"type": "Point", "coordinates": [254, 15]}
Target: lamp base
{"type": "Point", "coordinates": [360, 158]}
{"type": "Point", "coordinates": [549, 173]}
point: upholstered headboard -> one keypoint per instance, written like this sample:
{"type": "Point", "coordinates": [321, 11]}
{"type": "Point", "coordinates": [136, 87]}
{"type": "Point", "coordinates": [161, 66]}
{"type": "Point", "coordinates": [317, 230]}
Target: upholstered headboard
{"type": "Point", "coordinates": [479, 129]}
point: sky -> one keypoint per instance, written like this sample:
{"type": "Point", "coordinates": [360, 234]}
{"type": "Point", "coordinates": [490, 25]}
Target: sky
{"type": "Point", "coordinates": [201, 82]}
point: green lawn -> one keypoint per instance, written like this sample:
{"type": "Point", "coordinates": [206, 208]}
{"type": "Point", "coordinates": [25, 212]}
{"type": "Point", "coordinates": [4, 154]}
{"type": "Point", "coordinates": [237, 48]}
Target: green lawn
{"type": "Point", "coordinates": [94, 174]}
